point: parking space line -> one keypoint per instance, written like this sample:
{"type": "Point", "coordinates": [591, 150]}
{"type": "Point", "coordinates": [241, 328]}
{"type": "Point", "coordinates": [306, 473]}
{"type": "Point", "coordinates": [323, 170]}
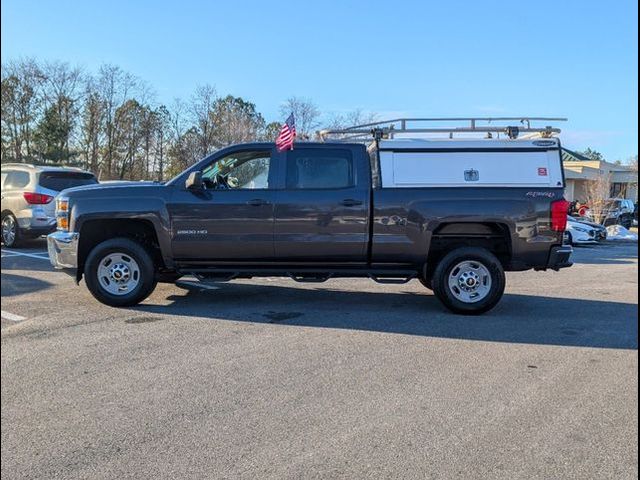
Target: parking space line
{"type": "Point", "coordinates": [11, 316]}
{"type": "Point", "coordinates": [38, 255]}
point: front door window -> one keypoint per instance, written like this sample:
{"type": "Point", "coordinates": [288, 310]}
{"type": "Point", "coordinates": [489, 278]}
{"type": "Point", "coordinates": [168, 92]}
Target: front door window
{"type": "Point", "coordinates": [247, 170]}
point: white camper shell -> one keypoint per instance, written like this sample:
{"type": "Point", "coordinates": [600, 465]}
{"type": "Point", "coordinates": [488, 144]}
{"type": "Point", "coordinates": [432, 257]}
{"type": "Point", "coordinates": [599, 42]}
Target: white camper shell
{"type": "Point", "coordinates": [462, 152]}
{"type": "Point", "coordinates": [415, 163]}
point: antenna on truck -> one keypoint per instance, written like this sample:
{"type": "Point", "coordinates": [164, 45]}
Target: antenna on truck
{"type": "Point", "coordinates": [510, 126]}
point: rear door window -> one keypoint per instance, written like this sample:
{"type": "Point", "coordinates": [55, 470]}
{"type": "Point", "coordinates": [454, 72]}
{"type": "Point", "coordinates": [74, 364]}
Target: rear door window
{"type": "Point", "coordinates": [16, 180]}
{"type": "Point", "coordinates": [59, 181]}
{"type": "Point", "coordinates": [323, 168]}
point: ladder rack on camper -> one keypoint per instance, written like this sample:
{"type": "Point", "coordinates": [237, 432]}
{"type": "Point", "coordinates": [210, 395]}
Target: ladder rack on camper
{"type": "Point", "coordinates": [512, 127]}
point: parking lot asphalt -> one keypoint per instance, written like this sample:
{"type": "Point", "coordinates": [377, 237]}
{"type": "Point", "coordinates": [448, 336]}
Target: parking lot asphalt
{"type": "Point", "coordinates": [267, 378]}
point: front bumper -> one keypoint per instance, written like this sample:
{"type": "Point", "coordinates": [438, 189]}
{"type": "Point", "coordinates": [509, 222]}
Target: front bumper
{"type": "Point", "coordinates": [559, 257]}
{"type": "Point", "coordinates": [63, 249]}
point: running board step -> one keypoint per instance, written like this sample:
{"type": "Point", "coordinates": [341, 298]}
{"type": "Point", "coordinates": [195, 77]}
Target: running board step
{"type": "Point", "coordinates": [301, 278]}
{"type": "Point", "coordinates": [396, 276]}
{"type": "Point", "coordinates": [215, 278]}
{"type": "Point", "coordinates": [392, 280]}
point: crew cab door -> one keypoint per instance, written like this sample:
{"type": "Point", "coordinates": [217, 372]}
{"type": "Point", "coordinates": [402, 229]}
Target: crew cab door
{"type": "Point", "coordinates": [322, 213]}
{"type": "Point", "coordinates": [231, 218]}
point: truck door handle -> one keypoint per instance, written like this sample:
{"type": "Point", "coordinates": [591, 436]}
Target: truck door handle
{"type": "Point", "coordinates": [257, 202]}
{"type": "Point", "coordinates": [351, 202]}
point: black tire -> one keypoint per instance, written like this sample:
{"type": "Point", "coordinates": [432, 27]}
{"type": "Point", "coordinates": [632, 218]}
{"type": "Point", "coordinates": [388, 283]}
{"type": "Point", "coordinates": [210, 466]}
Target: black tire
{"type": "Point", "coordinates": [147, 276]}
{"type": "Point", "coordinates": [626, 221]}
{"type": "Point", "coordinates": [474, 255]}
{"type": "Point", "coordinates": [17, 239]}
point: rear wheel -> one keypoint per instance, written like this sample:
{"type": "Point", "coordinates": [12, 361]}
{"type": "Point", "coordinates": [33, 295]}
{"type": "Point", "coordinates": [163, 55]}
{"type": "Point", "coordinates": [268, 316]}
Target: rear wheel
{"type": "Point", "coordinates": [469, 280]}
{"type": "Point", "coordinates": [120, 272]}
{"type": "Point", "coordinates": [11, 235]}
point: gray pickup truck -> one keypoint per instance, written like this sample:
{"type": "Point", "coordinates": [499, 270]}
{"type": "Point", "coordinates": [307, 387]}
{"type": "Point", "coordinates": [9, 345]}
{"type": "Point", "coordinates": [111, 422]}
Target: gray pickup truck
{"type": "Point", "coordinates": [454, 215]}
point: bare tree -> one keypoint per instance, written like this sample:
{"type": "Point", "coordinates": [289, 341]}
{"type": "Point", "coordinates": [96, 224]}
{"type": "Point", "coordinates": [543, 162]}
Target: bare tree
{"type": "Point", "coordinates": [270, 131]}
{"type": "Point", "coordinates": [92, 127]}
{"type": "Point", "coordinates": [185, 142]}
{"type": "Point", "coordinates": [115, 87]}
{"type": "Point", "coordinates": [201, 108]}
{"type": "Point", "coordinates": [597, 193]}
{"type": "Point", "coordinates": [148, 126]}
{"type": "Point", "coordinates": [235, 121]}
{"type": "Point", "coordinates": [163, 139]}
{"type": "Point", "coordinates": [306, 114]}
{"type": "Point", "coordinates": [22, 83]}
{"type": "Point", "coordinates": [53, 111]}
{"type": "Point", "coordinates": [63, 91]}
{"type": "Point", "coordinates": [351, 119]}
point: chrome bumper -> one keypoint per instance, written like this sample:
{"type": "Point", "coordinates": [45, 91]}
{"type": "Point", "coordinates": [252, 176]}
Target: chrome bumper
{"type": "Point", "coordinates": [63, 249]}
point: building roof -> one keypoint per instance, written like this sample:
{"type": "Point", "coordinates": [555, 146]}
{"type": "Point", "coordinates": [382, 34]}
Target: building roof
{"type": "Point", "coordinates": [571, 156]}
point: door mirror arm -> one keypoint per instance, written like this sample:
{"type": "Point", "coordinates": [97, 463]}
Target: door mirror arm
{"type": "Point", "coordinates": [194, 181]}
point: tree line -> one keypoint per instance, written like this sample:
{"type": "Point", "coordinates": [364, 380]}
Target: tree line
{"type": "Point", "coordinates": [109, 122]}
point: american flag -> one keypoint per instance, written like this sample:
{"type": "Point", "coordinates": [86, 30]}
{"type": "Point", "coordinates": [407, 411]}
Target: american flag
{"type": "Point", "coordinates": [286, 135]}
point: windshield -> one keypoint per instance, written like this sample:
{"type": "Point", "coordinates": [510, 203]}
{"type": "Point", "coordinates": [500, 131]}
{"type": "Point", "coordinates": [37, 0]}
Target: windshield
{"type": "Point", "coordinates": [59, 181]}
{"type": "Point", "coordinates": [612, 204]}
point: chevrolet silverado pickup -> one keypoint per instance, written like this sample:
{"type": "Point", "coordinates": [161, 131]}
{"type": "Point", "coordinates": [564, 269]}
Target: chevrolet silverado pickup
{"type": "Point", "coordinates": [452, 214]}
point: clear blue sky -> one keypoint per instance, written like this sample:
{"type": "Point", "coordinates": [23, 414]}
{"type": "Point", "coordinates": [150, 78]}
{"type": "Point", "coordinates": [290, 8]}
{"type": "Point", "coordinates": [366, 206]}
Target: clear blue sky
{"type": "Point", "coordinates": [423, 58]}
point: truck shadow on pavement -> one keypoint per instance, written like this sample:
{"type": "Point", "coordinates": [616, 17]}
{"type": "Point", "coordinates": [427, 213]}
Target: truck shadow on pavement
{"type": "Point", "coordinates": [517, 319]}
{"type": "Point", "coordinates": [26, 264]}
{"type": "Point", "coordinates": [19, 284]}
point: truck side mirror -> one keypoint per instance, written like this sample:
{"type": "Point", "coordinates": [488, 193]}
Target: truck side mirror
{"type": "Point", "coordinates": [194, 181]}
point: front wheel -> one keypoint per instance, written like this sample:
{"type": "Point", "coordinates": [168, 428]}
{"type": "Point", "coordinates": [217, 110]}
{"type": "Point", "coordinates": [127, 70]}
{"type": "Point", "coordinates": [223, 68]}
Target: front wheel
{"type": "Point", "coordinates": [469, 281]}
{"type": "Point", "coordinates": [120, 272]}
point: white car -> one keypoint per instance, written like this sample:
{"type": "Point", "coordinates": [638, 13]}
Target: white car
{"type": "Point", "coordinates": [580, 234]}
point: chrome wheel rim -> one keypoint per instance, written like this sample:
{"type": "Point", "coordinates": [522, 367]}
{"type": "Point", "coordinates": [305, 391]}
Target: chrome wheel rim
{"type": "Point", "coordinates": [470, 281]}
{"type": "Point", "coordinates": [118, 273]}
{"type": "Point", "coordinates": [8, 230]}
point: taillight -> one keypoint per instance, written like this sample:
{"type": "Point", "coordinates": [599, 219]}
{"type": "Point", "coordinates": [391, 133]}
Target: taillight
{"type": "Point", "coordinates": [36, 198]}
{"type": "Point", "coordinates": [559, 212]}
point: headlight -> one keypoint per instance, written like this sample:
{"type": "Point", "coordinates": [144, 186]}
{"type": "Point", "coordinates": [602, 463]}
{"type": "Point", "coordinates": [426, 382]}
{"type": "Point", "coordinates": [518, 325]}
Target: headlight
{"type": "Point", "coordinates": [580, 229]}
{"type": "Point", "coordinates": [62, 213]}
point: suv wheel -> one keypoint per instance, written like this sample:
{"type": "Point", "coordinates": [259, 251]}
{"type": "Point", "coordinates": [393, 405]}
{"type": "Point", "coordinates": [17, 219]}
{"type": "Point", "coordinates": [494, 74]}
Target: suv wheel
{"type": "Point", "coordinates": [10, 232]}
{"type": "Point", "coordinates": [469, 280]}
{"type": "Point", "coordinates": [120, 272]}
